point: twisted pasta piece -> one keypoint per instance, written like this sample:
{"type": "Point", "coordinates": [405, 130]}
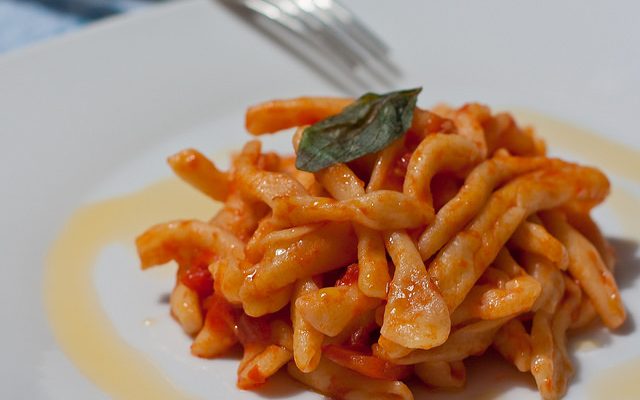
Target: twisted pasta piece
{"type": "Point", "coordinates": [277, 115]}
{"type": "Point", "coordinates": [468, 120]}
{"type": "Point", "coordinates": [588, 268]}
{"type": "Point", "coordinates": [382, 209]}
{"type": "Point", "coordinates": [217, 335]}
{"type": "Point", "coordinates": [416, 316]}
{"type": "Point", "coordinates": [459, 265]}
{"type": "Point", "coordinates": [185, 307]}
{"type": "Point", "coordinates": [330, 310]}
{"type": "Point", "coordinates": [472, 339]}
{"type": "Point", "coordinates": [502, 132]}
{"type": "Point", "coordinates": [197, 170]}
{"type": "Point", "coordinates": [186, 242]}
{"type": "Point", "coordinates": [477, 189]}
{"type": "Point", "coordinates": [329, 247]}
{"type": "Point", "coordinates": [551, 281]}
{"type": "Point", "coordinates": [373, 278]}
{"type": "Point", "coordinates": [307, 340]}
{"type": "Point", "coordinates": [533, 238]}
{"type": "Point", "coordinates": [263, 185]}
{"type": "Point", "coordinates": [550, 364]}
{"type": "Point", "coordinates": [514, 343]}
{"type": "Point", "coordinates": [435, 154]}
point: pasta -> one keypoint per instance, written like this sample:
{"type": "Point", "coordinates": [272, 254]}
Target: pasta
{"type": "Point", "coordinates": [456, 235]}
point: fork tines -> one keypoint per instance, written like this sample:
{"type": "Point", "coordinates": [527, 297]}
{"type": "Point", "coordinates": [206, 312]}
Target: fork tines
{"type": "Point", "coordinates": [330, 38]}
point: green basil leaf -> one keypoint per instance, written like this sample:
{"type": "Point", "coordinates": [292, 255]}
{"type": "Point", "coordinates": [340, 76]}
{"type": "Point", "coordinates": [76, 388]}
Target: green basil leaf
{"type": "Point", "coordinates": [369, 124]}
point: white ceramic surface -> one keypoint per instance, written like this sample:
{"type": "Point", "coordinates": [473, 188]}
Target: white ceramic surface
{"type": "Point", "coordinates": [93, 114]}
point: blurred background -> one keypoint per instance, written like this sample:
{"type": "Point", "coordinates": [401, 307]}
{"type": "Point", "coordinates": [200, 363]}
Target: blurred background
{"type": "Point", "coordinates": [23, 22]}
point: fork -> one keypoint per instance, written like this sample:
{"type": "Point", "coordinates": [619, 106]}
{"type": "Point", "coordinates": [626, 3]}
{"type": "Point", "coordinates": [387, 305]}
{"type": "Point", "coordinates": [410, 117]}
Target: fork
{"type": "Point", "coordinates": [328, 37]}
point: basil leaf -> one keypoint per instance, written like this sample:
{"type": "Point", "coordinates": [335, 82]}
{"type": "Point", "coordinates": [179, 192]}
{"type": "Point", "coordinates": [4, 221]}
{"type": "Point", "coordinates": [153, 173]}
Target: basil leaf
{"type": "Point", "coordinates": [369, 124]}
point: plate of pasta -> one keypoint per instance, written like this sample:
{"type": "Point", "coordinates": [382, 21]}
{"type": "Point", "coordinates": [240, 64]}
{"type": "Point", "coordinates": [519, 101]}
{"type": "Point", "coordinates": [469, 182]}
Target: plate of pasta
{"type": "Point", "coordinates": [395, 244]}
{"type": "Point", "coordinates": [194, 226]}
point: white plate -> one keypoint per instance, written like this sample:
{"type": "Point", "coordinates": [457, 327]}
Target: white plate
{"type": "Point", "coordinates": [93, 114]}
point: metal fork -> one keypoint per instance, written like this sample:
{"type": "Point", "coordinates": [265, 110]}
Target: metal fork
{"type": "Point", "coordinates": [328, 37]}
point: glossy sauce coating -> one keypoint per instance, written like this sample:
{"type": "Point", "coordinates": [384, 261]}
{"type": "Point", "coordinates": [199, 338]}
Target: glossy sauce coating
{"type": "Point", "coordinates": [123, 372]}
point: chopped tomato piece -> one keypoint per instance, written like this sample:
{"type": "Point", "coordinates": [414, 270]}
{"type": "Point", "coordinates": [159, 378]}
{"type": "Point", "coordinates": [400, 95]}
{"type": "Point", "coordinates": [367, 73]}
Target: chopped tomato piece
{"type": "Point", "coordinates": [399, 169]}
{"type": "Point", "coordinates": [370, 366]}
{"type": "Point", "coordinates": [360, 339]}
{"type": "Point", "coordinates": [350, 276]}
{"type": "Point", "coordinates": [253, 330]}
{"type": "Point", "coordinates": [256, 377]}
{"type": "Point", "coordinates": [220, 314]}
{"type": "Point", "coordinates": [197, 277]}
